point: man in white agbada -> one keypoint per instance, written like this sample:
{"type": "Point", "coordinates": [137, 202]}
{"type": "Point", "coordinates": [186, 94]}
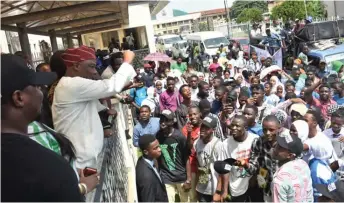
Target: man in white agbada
{"type": "Point", "coordinates": [76, 101]}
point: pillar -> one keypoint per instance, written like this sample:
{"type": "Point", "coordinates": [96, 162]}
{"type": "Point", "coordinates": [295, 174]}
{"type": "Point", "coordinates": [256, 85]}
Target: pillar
{"type": "Point", "coordinates": [69, 40]}
{"type": "Point", "coordinates": [53, 40]}
{"type": "Point", "coordinates": [24, 40]}
{"type": "Point", "coordinates": [80, 40]}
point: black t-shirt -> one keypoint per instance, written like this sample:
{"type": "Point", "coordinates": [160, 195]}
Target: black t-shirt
{"type": "Point", "coordinates": [32, 173]}
{"type": "Point", "coordinates": [174, 155]}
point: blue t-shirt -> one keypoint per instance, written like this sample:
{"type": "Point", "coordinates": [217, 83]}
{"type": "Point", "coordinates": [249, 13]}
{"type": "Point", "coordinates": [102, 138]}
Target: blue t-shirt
{"type": "Point", "coordinates": [256, 129]}
{"type": "Point", "coordinates": [339, 101]}
{"type": "Point", "coordinates": [139, 94]}
{"type": "Point", "coordinates": [321, 173]}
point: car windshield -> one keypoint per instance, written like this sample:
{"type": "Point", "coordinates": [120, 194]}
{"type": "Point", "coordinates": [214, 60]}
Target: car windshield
{"type": "Point", "coordinates": [215, 42]}
{"type": "Point", "coordinates": [172, 40]}
{"type": "Point", "coordinates": [243, 41]}
{"type": "Point", "coordinates": [335, 57]}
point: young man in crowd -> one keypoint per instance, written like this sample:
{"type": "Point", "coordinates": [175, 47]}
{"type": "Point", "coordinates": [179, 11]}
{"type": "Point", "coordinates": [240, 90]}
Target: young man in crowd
{"type": "Point", "coordinates": [203, 91]}
{"type": "Point", "coordinates": [205, 107]}
{"type": "Point", "coordinates": [179, 65]}
{"type": "Point", "coordinates": [237, 146]}
{"type": "Point", "coordinates": [316, 138]}
{"type": "Point", "coordinates": [192, 130]}
{"type": "Point", "coordinates": [183, 108]}
{"type": "Point", "coordinates": [264, 109]}
{"type": "Point", "coordinates": [27, 166]}
{"type": "Point", "coordinates": [217, 103]}
{"type": "Point", "coordinates": [292, 181]}
{"type": "Point", "coordinates": [77, 96]}
{"type": "Point", "coordinates": [261, 165]}
{"type": "Point", "coordinates": [145, 125]}
{"type": "Point", "coordinates": [169, 99]}
{"type": "Point", "coordinates": [207, 151]}
{"type": "Point", "coordinates": [270, 98]}
{"type": "Point", "coordinates": [250, 112]}
{"type": "Point", "coordinates": [338, 91]}
{"type": "Point", "coordinates": [149, 184]}
{"type": "Point", "coordinates": [325, 99]}
{"type": "Point", "coordinates": [174, 163]}
{"type": "Point", "coordinates": [193, 83]}
{"type": "Point", "coordinates": [148, 75]}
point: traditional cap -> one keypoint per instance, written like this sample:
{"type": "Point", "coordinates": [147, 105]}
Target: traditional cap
{"type": "Point", "coordinates": [83, 53]}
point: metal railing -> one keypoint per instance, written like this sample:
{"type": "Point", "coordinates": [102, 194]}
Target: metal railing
{"type": "Point", "coordinates": [115, 163]}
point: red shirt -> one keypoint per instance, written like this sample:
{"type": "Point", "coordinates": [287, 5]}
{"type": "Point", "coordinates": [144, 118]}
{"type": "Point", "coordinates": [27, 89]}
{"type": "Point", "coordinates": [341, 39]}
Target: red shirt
{"type": "Point", "coordinates": [194, 136]}
{"type": "Point", "coordinates": [323, 106]}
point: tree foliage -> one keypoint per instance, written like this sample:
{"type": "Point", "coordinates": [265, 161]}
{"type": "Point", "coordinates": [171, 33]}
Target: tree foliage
{"type": "Point", "coordinates": [203, 26]}
{"type": "Point", "coordinates": [290, 10]}
{"type": "Point", "coordinates": [239, 6]}
{"type": "Point", "coordinates": [250, 14]}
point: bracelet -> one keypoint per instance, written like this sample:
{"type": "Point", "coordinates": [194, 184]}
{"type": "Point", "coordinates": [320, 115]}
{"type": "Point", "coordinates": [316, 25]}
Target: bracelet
{"type": "Point", "coordinates": [219, 192]}
{"type": "Point", "coordinates": [83, 188]}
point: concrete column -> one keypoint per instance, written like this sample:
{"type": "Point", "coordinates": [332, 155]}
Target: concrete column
{"type": "Point", "coordinates": [150, 38]}
{"type": "Point", "coordinates": [69, 40]}
{"type": "Point", "coordinates": [53, 40]}
{"type": "Point", "coordinates": [24, 40]}
{"type": "Point", "coordinates": [80, 40]}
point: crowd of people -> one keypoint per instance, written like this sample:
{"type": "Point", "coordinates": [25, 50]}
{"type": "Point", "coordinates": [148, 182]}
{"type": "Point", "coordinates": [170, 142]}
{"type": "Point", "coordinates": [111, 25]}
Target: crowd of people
{"type": "Point", "coordinates": [280, 134]}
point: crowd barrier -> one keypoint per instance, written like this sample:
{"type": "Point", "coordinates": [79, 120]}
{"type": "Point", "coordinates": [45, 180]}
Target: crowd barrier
{"type": "Point", "coordinates": [116, 162]}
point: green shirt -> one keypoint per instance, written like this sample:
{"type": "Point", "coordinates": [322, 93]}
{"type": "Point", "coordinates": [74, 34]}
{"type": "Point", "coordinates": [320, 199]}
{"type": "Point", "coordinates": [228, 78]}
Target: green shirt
{"type": "Point", "coordinates": [181, 67]}
{"type": "Point", "coordinates": [46, 139]}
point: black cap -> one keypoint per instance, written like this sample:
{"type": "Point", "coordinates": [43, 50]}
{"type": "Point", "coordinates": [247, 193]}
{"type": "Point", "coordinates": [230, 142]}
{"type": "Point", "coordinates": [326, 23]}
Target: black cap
{"type": "Point", "coordinates": [291, 143]}
{"type": "Point", "coordinates": [334, 191]}
{"type": "Point", "coordinates": [223, 167]}
{"type": "Point", "coordinates": [167, 114]}
{"type": "Point", "coordinates": [15, 75]}
{"type": "Point", "coordinates": [210, 121]}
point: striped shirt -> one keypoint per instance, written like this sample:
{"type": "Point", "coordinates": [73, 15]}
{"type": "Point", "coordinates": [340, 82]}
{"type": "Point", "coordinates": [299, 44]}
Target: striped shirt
{"type": "Point", "coordinates": [292, 182]}
{"type": "Point", "coordinates": [46, 139]}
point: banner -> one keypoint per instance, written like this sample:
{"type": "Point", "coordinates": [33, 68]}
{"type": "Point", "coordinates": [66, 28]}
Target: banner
{"type": "Point", "coordinates": [277, 58]}
{"type": "Point", "coordinates": [260, 52]}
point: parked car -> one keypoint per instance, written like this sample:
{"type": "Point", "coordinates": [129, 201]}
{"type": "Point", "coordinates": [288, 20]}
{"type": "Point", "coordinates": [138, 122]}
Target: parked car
{"type": "Point", "coordinates": [244, 42]}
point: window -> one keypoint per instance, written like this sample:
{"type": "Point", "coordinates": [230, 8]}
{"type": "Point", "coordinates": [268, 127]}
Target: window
{"type": "Point", "coordinates": [165, 32]}
{"type": "Point", "coordinates": [158, 26]}
{"type": "Point", "coordinates": [163, 25]}
{"type": "Point", "coordinates": [174, 23]}
{"type": "Point", "coordinates": [176, 31]}
{"type": "Point", "coordinates": [168, 24]}
{"type": "Point", "coordinates": [170, 32]}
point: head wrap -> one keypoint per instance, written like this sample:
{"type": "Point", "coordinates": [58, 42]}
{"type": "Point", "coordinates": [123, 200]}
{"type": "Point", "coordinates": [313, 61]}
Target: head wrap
{"type": "Point", "coordinates": [277, 83]}
{"type": "Point", "coordinates": [298, 107]}
{"type": "Point", "coordinates": [162, 86]}
{"type": "Point", "coordinates": [83, 53]}
{"type": "Point", "coordinates": [302, 129]}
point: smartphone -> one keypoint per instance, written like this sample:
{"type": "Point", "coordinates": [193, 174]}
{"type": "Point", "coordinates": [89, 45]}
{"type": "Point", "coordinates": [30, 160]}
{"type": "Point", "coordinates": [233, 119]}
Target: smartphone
{"type": "Point", "coordinates": [89, 171]}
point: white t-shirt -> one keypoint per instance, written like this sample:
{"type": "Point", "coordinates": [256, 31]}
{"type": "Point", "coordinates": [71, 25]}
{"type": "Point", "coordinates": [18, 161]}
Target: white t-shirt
{"type": "Point", "coordinates": [203, 155]}
{"type": "Point", "coordinates": [238, 176]}
{"type": "Point", "coordinates": [75, 111]}
{"type": "Point", "coordinates": [319, 139]}
{"type": "Point", "coordinates": [107, 73]}
{"type": "Point", "coordinates": [194, 93]}
{"type": "Point", "coordinates": [338, 146]}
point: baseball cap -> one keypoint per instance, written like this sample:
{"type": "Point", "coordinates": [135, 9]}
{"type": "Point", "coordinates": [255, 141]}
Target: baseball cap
{"type": "Point", "coordinates": [224, 167]}
{"type": "Point", "coordinates": [333, 190]}
{"type": "Point", "coordinates": [15, 75]}
{"type": "Point", "coordinates": [168, 114]}
{"type": "Point", "coordinates": [292, 143]}
{"type": "Point", "coordinates": [209, 121]}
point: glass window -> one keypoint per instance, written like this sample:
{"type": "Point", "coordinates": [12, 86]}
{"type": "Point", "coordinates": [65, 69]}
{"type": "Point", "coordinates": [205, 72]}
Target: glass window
{"type": "Point", "coordinates": [163, 25]}
{"type": "Point", "coordinates": [158, 26]}
{"type": "Point", "coordinates": [215, 42]}
{"type": "Point", "coordinates": [172, 40]}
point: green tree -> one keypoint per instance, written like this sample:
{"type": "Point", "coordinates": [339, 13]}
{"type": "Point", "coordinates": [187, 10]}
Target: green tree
{"type": "Point", "coordinates": [240, 5]}
{"type": "Point", "coordinates": [290, 10]}
{"type": "Point", "coordinates": [250, 14]}
{"type": "Point", "coordinates": [203, 26]}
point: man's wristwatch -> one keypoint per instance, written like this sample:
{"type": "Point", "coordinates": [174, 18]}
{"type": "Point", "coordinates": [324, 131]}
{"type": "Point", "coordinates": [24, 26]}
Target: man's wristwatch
{"type": "Point", "coordinates": [219, 192]}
